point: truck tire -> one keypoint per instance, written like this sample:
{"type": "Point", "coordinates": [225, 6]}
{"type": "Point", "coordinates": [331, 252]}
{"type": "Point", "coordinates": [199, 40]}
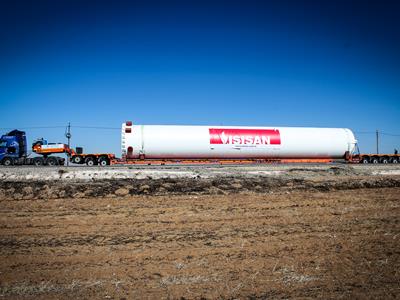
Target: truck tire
{"type": "Point", "coordinates": [90, 161]}
{"type": "Point", "coordinates": [375, 160]}
{"type": "Point", "coordinates": [77, 159]}
{"type": "Point", "coordinates": [385, 160]}
{"type": "Point", "coordinates": [394, 160]}
{"type": "Point", "coordinates": [60, 161]}
{"type": "Point", "coordinates": [103, 161]}
{"type": "Point", "coordinates": [7, 161]}
{"type": "Point", "coordinates": [365, 160]}
{"type": "Point", "coordinates": [38, 161]}
{"type": "Point", "coordinates": [51, 161]}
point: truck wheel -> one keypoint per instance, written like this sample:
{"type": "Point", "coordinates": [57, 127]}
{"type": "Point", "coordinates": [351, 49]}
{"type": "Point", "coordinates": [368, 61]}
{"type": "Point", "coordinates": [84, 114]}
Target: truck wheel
{"type": "Point", "coordinates": [365, 160]}
{"type": "Point", "coordinates": [8, 161]}
{"type": "Point", "coordinates": [394, 160]}
{"type": "Point", "coordinates": [385, 160]}
{"type": "Point", "coordinates": [52, 161]}
{"type": "Point", "coordinates": [103, 161]}
{"type": "Point", "coordinates": [375, 160]}
{"type": "Point", "coordinates": [38, 161]}
{"type": "Point", "coordinates": [77, 159]}
{"type": "Point", "coordinates": [90, 161]}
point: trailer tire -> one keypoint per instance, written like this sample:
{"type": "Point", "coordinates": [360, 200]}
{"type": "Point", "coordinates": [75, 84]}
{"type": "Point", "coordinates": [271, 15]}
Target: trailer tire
{"type": "Point", "coordinates": [38, 161]}
{"type": "Point", "coordinates": [375, 160]}
{"type": "Point", "coordinates": [7, 161]}
{"type": "Point", "coordinates": [77, 159]}
{"type": "Point", "coordinates": [365, 160]}
{"type": "Point", "coordinates": [385, 160]}
{"type": "Point", "coordinates": [60, 161]}
{"type": "Point", "coordinates": [90, 161]}
{"type": "Point", "coordinates": [394, 160]}
{"type": "Point", "coordinates": [103, 161]}
{"type": "Point", "coordinates": [51, 161]}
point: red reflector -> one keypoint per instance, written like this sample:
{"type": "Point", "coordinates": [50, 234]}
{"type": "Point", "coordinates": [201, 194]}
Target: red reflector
{"type": "Point", "coordinates": [128, 123]}
{"type": "Point", "coordinates": [128, 130]}
{"type": "Point", "coordinates": [130, 149]}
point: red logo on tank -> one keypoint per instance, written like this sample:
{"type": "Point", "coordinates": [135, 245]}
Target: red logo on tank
{"type": "Point", "coordinates": [231, 136]}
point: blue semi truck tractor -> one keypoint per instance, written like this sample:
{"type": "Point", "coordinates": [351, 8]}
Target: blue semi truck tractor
{"type": "Point", "coordinates": [14, 151]}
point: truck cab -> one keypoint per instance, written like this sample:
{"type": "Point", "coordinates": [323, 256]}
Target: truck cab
{"type": "Point", "coordinates": [12, 147]}
{"type": "Point", "coordinates": [13, 151]}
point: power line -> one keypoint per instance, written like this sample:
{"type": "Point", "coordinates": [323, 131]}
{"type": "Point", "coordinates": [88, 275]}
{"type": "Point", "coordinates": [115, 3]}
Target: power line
{"type": "Point", "coordinates": [374, 132]}
{"type": "Point", "coordinates": [119, 128]}
{"type": "Point", "coordinates": [97, 127]}
{"type": "Point", "coordinates": [389, 134]}
{"type": "Point", "coordinates": [54, 127]}
{"type": "Point", "coordinates": [364, 132]}
{"type": "Point", "coordinates": [32, 127]}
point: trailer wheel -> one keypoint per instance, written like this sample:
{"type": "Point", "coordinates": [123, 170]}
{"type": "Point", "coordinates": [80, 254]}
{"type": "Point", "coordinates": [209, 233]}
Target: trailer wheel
{"type": "Point", "coordinates": [375, 160]}
{"type": "Point", "coordinates": [394, 160]}
{"type": "Point", "coordinates": [7, 161]}
{"type": "Point", "coordinates": [365, 160]}
{"type": "Point", "coordinates": [38, 161]}
{"type": "Point", "coordinates": [77, 159]}
{"type": "Point", "coordinates": [51, 161]}
{"type": "Point", "coordinates": [385, 160]}
{"type": "Point", "coordinates": [60, 161]}
{"type": "Point", "coordinates": [103, 161]}
{"type": "Point", "coordinates": [90, 161]}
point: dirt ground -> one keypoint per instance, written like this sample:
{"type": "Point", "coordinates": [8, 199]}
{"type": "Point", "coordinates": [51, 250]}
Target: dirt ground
{"type": "Point", "coordinates": [284, 243]}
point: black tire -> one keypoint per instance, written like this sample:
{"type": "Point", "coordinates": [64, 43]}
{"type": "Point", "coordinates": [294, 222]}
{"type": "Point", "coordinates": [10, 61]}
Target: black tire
{"type": "Point", "coordinates": [7, 161]}
{"type": "Point", "coordinates": [365, 160]}
{"type": "Point", "coordinates": [394, 160]}
{"type": "Point", "coordinates": [374, 160]}
{"type": "Point", "coordinates": [385, 160]}
{"type": "Point", "coordinates": [90, 161]}
{"type": "Point", "coordinates": [51, 161]}
{"type": "Point", "coordinates": [103, 161]}
{"type": "Point", "coordinates": [77, 159]}
{"type": "Point", "coordinates": [38, 161]}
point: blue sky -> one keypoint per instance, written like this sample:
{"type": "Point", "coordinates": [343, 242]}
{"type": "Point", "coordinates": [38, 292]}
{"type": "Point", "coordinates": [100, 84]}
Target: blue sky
{"type": "Point", "coordinates": [272, 63]}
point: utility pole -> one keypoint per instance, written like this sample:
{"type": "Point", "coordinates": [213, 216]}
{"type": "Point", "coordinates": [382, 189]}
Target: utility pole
{"type": "Point", "coordinates": [68, 136]}
{"type": "Point", "coordinates": [377, 141]}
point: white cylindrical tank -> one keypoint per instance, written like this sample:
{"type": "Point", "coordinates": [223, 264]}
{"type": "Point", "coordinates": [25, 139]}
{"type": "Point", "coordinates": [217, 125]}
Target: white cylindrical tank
{"type": "Point", "coordinates": [239, 142]}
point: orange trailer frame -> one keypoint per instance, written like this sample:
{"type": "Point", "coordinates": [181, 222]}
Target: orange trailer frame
{"type": "Point", "coordinates": [213, 161]}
